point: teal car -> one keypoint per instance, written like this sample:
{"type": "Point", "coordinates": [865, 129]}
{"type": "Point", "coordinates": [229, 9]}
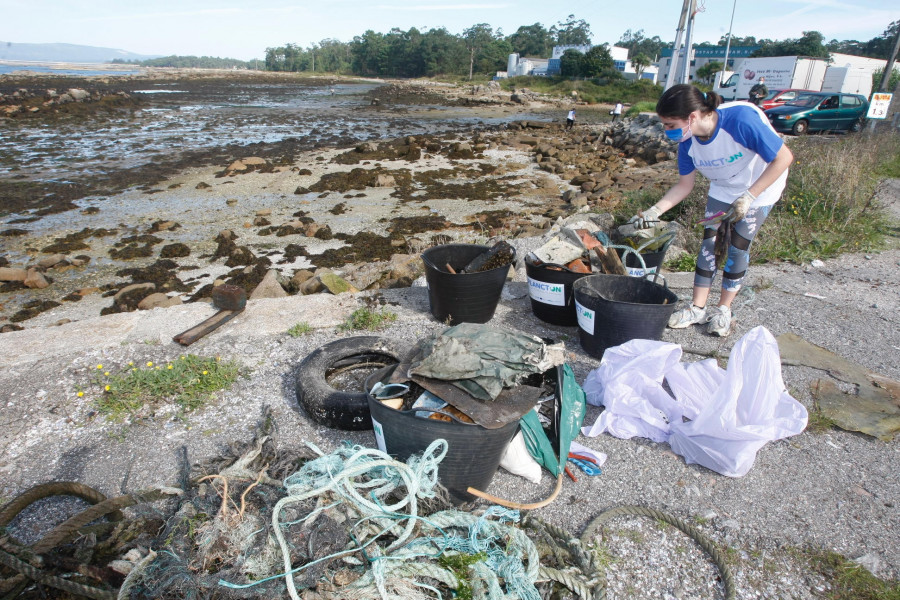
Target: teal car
{"type": "Point", "coordinates": [819, 111]}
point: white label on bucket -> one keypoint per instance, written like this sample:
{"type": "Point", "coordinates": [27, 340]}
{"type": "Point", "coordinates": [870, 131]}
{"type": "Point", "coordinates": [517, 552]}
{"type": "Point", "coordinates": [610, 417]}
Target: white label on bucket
{"type": "Point", "coordinates": [639, 272]}
{"type": "Point", "coordinates": [547, 293]}
{"type": "Point", "coordinates": [585, 318]}
{"type": "Point", "coordinates": [379, 435]}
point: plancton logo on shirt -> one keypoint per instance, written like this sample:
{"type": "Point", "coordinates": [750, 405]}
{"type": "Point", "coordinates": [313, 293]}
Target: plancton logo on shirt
{"type": "Point", "coordinates": [719, 162]}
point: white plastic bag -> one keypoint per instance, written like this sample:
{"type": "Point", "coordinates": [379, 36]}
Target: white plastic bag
{"type": "Point", "coordinates": [517, 460]}
{"type": "Point", "coordinates": [732, 413]}
{"type": "Point", "coordinates": [747, 409]}
{"type": "Point", "coordinates": [628, 383]}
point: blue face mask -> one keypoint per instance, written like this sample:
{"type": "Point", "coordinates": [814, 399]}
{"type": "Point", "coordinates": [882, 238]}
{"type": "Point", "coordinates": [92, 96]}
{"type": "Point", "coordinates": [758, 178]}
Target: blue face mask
{"type": "Point", "coordinates": [675, 135]}
{"type": "Point", "coordinates": [680, 135]}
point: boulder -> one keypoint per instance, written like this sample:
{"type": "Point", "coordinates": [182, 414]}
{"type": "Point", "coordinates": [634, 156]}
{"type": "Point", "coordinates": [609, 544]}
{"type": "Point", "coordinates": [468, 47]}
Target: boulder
{"type": "Point", "coordinates": [78, 95]}
{"type": "Point", "coordinates": [269, 287]}
{"type": "Point", "coordinates": [51, 261]}
{"type": "Point", "coordinates": [12, 274]}
{"type": "Point", "coordinates": [336, 284]}
{"type": "Point", "coordinates": [300, 276]}
{"type": "Point", "coordinates": [134, 287]}
{"type": "Point", "coordinates": [158, 300]}
{"type": "Point", "coordinates": [35, 280]}
{"type": "Point", "coordinates": [383, 180]}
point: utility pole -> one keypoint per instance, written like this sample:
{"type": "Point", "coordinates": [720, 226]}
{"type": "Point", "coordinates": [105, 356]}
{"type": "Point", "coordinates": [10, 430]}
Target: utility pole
{"type": "Point", "coordinates": [882, 87]}
{"type": "Point", "coordinates": [688, 44]}
{"type": "Point", "coordinates": [685, 21]}
{"type": "Point", "coordinates": [676, 49]}
{"type": "Point", "coordinates": [728, 43]}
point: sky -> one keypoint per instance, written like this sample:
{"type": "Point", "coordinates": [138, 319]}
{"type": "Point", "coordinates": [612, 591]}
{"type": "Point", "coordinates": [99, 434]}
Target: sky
{"type": "Point", "coordinates": [243, 30]}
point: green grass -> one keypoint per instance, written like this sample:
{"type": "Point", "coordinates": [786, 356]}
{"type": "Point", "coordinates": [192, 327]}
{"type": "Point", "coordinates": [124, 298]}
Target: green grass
{"type": "Point", "coordinates": [682, 263]}
{"type": "Point", "coordinates": [368, 319]}
{"type": "Point", "coordinates": [827, 207]}
{"type": "Point", "coordinates": [187, 382]}
{"type": "Point", "coordinates": [848, 580]}
{"type": "Point", "coordinates": [592, 91]}
{"type": "Point", "coordinates": [639, 107]}
{"type": "Point", "coordinates": [300, 329]}
{"type": "Point", "coordinates": [817, 422]}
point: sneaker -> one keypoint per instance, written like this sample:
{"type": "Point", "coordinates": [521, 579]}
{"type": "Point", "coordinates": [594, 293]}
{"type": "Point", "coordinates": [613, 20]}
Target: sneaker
{"type": "Point", "coordinates": [687, 316]}
{"type": "Point", "coordinates": [719, 321]}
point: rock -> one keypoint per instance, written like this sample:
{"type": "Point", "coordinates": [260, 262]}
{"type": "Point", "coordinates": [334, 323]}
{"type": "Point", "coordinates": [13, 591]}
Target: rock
{"type": "Point", "coordinates": [12, 274]}
{"type": "Point", "coordinates": [265, 212]}
{"type": "Point", "coordinates": [34, 279]}
{"type": "Point", "coordinates": [254, 161]}
{"type": "Point", "coordinates": [176, 250]}
{"type": "Point", "coordinates": [405, 267]}
{"type": "Point", "coordinates": [78, 95]}
{"type": "Point", "coordinates": [164, 226]}
{"type": "Point", "coordinates": [236, 167]}
{"type": "Point", "coordinates": [134, 287]}
{"type": "Point", "coordinates": [385, 181]}
{"type": "Point", "coordinates": [88, 291]}
{"type": "Point", "coordinates": [153, 301]}
{"type": "Point", "coordinates": [202, 186]}
{"type": "Point", "coordinates": [231, 201]}
{"type": "Point", "coordinates": [300, 276]}
{"type": "Point", "coordinates": [51, 261]}
{"type": "Point", "coordinates": [269, 287]}
{"type": "Point", "coordinates": [336, 284]}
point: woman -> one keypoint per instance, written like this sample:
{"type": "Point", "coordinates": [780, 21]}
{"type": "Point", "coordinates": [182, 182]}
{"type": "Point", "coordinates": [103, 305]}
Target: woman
{"type": "Point", "coordinates": [746, 163]}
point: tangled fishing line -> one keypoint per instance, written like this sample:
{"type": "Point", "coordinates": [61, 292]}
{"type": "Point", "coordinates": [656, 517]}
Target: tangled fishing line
{"type": "Point", "coordinates": [259, 522]}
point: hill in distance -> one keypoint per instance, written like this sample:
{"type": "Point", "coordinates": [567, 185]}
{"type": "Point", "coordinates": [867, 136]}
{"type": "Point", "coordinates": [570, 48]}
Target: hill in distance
{"type": "Point", "coordinates": [65, 53]}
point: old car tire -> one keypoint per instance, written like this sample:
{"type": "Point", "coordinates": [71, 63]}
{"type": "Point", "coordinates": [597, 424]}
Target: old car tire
{"type": "Point", "coordinates": [331, 407]}
{"type": "Point", "coordinates": [800, 127]}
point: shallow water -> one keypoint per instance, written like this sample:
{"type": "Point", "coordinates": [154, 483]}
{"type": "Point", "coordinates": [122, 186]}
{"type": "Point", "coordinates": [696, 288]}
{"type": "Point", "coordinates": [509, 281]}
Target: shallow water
{"type": "Point", "coordinates": [183, 116]}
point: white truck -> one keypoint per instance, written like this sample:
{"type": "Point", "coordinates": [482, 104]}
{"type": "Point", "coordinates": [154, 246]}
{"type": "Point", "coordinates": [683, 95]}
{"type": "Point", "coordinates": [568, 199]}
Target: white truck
{"type": "Point", "coordinates": [849, 80]}
{"type": "Point", "coordinates": [781, 73]}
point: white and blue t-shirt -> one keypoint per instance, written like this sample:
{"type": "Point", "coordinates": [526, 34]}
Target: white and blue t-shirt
{"type": "Point", "coordinates": [736, 154]}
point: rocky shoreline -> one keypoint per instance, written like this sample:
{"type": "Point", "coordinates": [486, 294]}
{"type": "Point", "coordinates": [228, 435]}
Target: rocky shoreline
{"type": "Point", "coordinates": [313, 216]}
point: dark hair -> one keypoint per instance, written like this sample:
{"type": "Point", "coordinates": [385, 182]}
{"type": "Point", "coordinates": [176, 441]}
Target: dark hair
{"type": "Point", "coordinates": [681, 100]}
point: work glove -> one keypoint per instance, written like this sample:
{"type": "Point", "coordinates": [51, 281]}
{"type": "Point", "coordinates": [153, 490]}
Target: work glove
{"type": "Point", "coordinates": [640, 224]}
{"type": "Point", "coordinates": [740, 207]}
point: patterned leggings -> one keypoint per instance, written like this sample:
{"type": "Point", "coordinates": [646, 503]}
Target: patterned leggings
{"type": "Point", "coordinates": [738, 251]}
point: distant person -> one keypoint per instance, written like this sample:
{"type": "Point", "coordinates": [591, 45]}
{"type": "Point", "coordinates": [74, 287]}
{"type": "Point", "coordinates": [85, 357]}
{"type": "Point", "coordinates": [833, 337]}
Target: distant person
{"type": "Point", "coordinates": [617, 111]}
{"type": "Point", "coordinates": [570, 119]}
{"type": "Point", "coordinates": [759, 92]}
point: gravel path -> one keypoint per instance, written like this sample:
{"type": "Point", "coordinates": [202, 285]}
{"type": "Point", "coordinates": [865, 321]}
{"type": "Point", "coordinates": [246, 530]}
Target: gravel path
{"type": "Point", "coordinates": [835, 491]}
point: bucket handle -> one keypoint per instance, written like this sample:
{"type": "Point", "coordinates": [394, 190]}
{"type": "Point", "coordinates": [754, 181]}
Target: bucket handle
{"type": "Point", "coordinates": [656, 275]}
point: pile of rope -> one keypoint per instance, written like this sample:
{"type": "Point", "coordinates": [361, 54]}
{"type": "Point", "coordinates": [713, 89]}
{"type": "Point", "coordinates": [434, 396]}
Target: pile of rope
{"type": "Point", "coordinates": [259, 522]}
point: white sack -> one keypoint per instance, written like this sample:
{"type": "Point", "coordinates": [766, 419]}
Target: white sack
{"type": "Point", "coordinates": [732, 413]}
{"type": "Point", "coordinates": [628, 383]}
{"type": "Point", "coordinates": [518, 461]}
{"type": "Point", "coordinates": [749, 408]}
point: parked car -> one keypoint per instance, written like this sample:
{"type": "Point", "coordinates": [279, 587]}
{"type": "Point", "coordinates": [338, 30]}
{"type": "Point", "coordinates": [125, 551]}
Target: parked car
{"type": "Point", "coordinates": [819, 111]}
{"type": "Point", "coordinates": [779, 97]}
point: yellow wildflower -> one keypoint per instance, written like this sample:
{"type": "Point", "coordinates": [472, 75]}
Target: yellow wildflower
{"type": "Point", "coordinates": [80, 394]}
{"type": "Point", "coordinates": [150, 363]}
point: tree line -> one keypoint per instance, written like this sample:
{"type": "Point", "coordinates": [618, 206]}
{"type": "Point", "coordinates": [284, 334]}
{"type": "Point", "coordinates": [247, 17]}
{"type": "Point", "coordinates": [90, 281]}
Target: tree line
{"type": "Point", "coordinates": [482, 50]}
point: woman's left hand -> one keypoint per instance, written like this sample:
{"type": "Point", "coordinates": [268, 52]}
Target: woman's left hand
{"type": "Point", "coordinates": [741, 206]}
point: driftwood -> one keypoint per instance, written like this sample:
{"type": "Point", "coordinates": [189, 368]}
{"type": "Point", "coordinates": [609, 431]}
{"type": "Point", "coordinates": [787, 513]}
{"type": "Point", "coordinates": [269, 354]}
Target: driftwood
{"type": "Point", "coordinates": [610, 263]}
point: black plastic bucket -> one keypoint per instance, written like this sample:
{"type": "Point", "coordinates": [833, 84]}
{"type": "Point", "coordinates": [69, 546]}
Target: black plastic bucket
{"type": "Point", "coordinates": [473, 452]}
{"type": "Point", "coordinates": [613, 309]}
{"type": "Point", "coordinates": [462, 297]}
{"type": "Point", "coordinates": [551, 294]}
{"type": "Point", "coordinates": [652, 260]}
